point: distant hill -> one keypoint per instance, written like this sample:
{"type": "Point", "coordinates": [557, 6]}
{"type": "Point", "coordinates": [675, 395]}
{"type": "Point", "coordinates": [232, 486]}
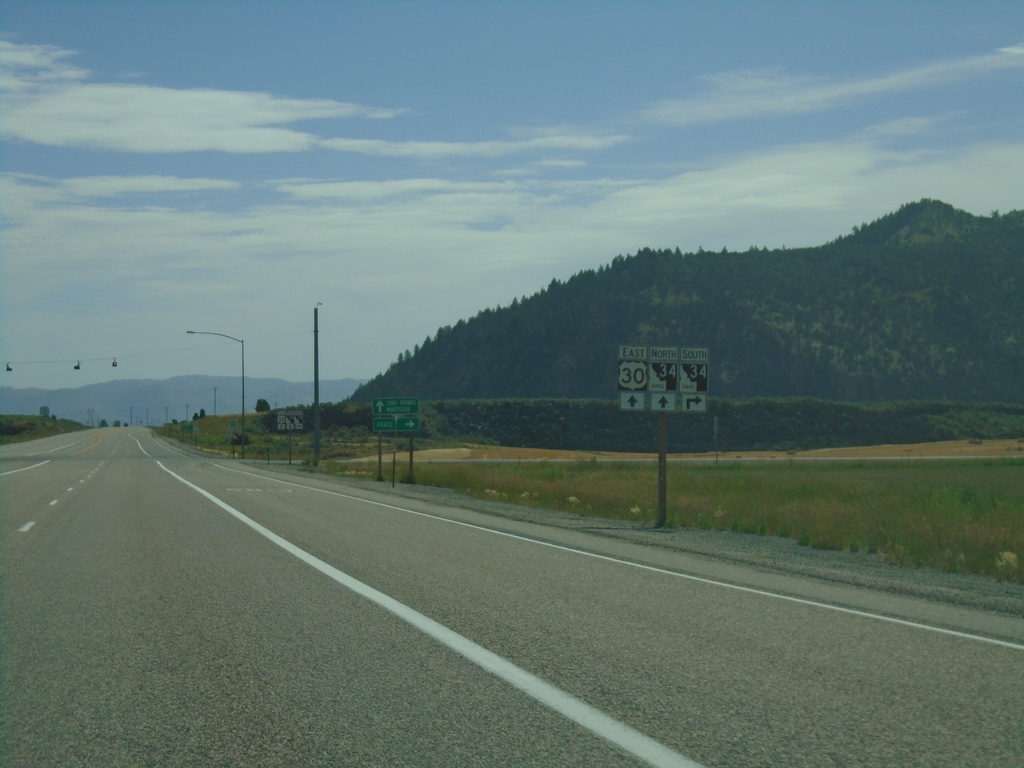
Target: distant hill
{"type": "Point", "coordinates": [167, 398]}
{"type": "Point", "coordinates": [924, 303]}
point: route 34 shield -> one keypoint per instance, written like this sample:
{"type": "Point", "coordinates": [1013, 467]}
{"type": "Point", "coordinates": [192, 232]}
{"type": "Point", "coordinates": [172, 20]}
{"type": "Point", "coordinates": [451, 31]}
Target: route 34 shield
{"type": "Point", "coordinates": [694, 379]}
{"type": "Point", "coordinates": [664, 377]}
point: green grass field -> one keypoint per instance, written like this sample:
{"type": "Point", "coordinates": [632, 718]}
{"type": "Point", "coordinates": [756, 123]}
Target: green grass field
{"type": "Point", "coordinates": [963, 516]}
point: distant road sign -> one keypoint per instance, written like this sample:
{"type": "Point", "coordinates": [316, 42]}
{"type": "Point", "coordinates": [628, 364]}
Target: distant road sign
{"type": "Point", "coordinates": [396, 424]}
{"type": "Point", "coordinates": [396, 406]}
{"type": "Point", "coordinates": [669, 374]}
{"type": "Point", "coordinates": [289, 420]}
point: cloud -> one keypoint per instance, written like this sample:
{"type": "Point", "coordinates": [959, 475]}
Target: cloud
{"type": "Point", "coordinates": [438, 150]}
{"type": "Point", "coordinates": [905, 126]}
{"type": "Point", "coordinates": [735, 95]}
{"type": "Point", "coordinates": [23, 67]}
{"type": "Point", "coordinates": [118, 186]}
{"type": "Point", "coordinates": [366, 191]}
{"type": "Point", "coordinates": [47, 102]}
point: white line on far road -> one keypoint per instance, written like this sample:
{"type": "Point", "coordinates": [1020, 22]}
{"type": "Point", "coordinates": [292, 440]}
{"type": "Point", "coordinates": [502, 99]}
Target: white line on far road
{"type": "Point", "coordinates": [25, 469]}
{"type": "Point", "coordinates": [594, 720]}
{"type": "Point", "coordinates": [26, 526]}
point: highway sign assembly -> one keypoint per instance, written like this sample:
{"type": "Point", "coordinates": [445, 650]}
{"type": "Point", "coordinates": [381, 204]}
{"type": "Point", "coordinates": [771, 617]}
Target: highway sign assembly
{"type": "Point", "coordinates": [289, 421]}
{"type": "Point", "coordinates": [395, 414]}
{"type": "Point", "coordinates": [656, 378]}
{"type": "Point", "coordinates": [659, 378]}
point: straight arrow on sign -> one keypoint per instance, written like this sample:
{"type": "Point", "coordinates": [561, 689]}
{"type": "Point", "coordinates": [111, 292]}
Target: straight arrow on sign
{"type": "Point", "coordinates": [665, 402]}
{"type": "Point", "coordinates": [632, 401]}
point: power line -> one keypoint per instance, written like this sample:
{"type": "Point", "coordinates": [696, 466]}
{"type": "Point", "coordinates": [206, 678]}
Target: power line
{"type": "Point", "coordinates": [155, 353]}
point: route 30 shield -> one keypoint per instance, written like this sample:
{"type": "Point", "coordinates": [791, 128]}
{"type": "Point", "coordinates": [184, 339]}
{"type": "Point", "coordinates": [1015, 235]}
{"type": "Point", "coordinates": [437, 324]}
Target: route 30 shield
{"type": "Point", "coordinates": [633, 375]}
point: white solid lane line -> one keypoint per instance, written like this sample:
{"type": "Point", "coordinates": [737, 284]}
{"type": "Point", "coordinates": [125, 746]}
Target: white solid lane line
{"type": "Point", "coordinates": [25, 469]}
{"type": "Point", "coordinates": [578, 711]}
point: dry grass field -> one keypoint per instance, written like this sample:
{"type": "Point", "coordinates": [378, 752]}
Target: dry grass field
{"type": "Point", "coordinates": [953, 449]}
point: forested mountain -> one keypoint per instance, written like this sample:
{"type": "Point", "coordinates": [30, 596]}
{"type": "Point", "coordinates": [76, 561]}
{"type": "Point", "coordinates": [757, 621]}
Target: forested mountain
{"type": "Point", "coordinates": [925, 303]}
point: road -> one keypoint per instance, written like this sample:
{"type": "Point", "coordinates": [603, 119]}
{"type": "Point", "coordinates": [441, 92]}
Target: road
{"type": "Point", "coordinates": [166, 610]}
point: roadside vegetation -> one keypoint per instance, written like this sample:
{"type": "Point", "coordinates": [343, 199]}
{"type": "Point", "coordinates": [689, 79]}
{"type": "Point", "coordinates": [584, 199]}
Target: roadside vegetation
{"type": "Point", "coordinates": [960, 516]}
{"type": "Point", "coordinates": [263, 442]}
{"type": "Point", "coordinates": [18, 429]}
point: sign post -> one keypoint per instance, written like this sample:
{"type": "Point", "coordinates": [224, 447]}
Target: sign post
{"type": "Point", "coordinates": [287, 421]}
{"type": "Point", "coordinates": [394, 415]}
{"type": "Point", "coordinates": [654, 377]}
{"type": "Point", "coordinates": [662, 469]}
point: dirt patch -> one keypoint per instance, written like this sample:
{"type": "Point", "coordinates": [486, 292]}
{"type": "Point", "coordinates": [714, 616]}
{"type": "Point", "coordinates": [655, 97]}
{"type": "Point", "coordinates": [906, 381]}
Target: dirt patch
{"type": "Point", "coordinates": [947, 449]}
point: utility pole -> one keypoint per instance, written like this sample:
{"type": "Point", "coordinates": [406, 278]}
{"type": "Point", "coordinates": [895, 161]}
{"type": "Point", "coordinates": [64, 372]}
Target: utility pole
{"type": "Point", "coordinates": [316, 385]}
{"type": "Point", "coordinates": [214, 401]}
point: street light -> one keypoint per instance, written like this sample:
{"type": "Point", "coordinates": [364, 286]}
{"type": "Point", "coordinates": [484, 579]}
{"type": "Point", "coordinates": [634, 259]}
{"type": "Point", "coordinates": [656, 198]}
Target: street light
{"type": "Point", "coordinates": [240, 341]}
{"type": "Point", "coordinates": [316, 385]}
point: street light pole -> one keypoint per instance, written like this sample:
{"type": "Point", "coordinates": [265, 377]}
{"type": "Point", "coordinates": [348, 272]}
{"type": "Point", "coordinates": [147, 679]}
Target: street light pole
{"type": "Point", "coordinates": [316, 386]}
{"type": "Point", "coordinates": [242, 342]}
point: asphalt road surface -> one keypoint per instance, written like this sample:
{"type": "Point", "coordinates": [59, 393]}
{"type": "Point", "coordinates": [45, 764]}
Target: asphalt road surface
{"type": "Point", "coordinates": [162, 609]}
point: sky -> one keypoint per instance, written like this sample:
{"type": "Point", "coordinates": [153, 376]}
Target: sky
{"type": "Point", "coordinates": [227, 166]}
